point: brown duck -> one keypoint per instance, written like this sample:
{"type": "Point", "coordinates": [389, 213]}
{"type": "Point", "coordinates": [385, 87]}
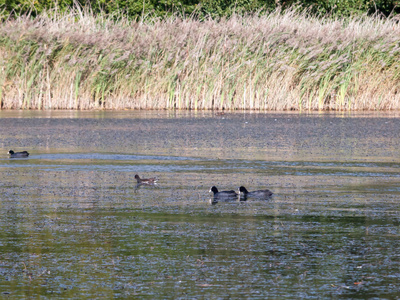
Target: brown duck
{"type": "Point", "coordinates": [145, 180]}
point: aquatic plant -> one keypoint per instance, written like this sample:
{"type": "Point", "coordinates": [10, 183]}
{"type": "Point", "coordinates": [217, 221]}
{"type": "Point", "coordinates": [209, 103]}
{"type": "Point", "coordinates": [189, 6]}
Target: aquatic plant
{"type": "Point", "coordinates": [281, 61]}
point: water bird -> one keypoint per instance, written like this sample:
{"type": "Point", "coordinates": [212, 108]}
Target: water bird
{"type": "Point", "coordinates": [18, 154]}
{"type": "Point", "coordinates": [223, 194]}
{"type": "Point", "coordinates": [260, 194]}
{"type": "Point", "coordinates": [145, 180]}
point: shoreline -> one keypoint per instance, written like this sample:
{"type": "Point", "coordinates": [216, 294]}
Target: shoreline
{"type": "Point", "coordinates": [216, 113]}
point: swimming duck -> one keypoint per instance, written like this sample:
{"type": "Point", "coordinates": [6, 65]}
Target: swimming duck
{"type": "Point", "coordinates": [223, 194]}
{"type": "Point", "coordinates": [261, 194]}
{"type": "Point", "coordinates": [18, 154]}
{"type": "Point", "coordinates": [145, 180]}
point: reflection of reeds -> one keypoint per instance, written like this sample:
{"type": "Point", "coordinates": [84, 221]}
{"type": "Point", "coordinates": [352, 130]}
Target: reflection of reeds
{"type": "Point", "coordinates": [279, 61]}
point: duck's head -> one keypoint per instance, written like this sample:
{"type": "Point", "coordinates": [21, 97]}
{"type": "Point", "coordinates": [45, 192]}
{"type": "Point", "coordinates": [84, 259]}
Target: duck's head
{"type": "Point", "coordinates": [243, 190]}
{"type": "Point", "coordinates": [213, 189]}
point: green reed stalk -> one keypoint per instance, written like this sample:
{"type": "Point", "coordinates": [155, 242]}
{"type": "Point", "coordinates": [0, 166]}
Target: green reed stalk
{"type": "Point", "coordinates": [76, 85]}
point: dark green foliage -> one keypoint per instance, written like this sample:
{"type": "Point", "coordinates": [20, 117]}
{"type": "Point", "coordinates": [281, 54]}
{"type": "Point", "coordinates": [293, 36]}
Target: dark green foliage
{"type": "Point", "coordinates": [33, 7]}
{"type": "Point", "coordinates": [219, 8]}
{"type": "Point", "coordinates": [203, 8]}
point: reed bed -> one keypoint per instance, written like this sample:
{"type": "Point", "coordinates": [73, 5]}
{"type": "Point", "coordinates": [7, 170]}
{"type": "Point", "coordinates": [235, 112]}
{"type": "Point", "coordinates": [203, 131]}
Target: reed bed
{"type": "Point", "coordinates": [281, 61]}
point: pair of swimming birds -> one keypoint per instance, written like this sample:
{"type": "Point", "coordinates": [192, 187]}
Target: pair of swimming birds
{"type": "Point", "coordinates": [243, 192]}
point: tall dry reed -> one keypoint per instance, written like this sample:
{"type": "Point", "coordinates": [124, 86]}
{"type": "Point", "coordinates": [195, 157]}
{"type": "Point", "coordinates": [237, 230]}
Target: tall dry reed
{"type": "Point", "coordinates": [280, 61]}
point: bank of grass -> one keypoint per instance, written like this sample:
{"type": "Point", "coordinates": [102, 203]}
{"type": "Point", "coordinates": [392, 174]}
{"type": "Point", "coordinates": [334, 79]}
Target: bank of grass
{"type": "Point", "coordinates": [280, 61]}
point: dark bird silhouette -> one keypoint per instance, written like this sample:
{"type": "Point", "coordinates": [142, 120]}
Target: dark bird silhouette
{"type": "Point", "coordinates": [18, 154]}
{"type": "Point", "coordinates": [223, 194]}
{"type": "Point", "coordinates": [260, 194]}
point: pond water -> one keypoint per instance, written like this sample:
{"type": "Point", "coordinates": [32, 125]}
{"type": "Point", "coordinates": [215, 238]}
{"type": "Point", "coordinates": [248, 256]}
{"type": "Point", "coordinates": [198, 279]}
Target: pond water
{"type": "Point", "coordinates": [74, 225]}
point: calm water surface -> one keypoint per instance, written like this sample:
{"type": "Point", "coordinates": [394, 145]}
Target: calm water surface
{"type": "Point", "coordinates": [74, 225]}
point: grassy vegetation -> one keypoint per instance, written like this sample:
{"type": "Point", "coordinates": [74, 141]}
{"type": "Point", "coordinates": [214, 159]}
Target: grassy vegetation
{"type": "Point", "coordinates": [280, 61]}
